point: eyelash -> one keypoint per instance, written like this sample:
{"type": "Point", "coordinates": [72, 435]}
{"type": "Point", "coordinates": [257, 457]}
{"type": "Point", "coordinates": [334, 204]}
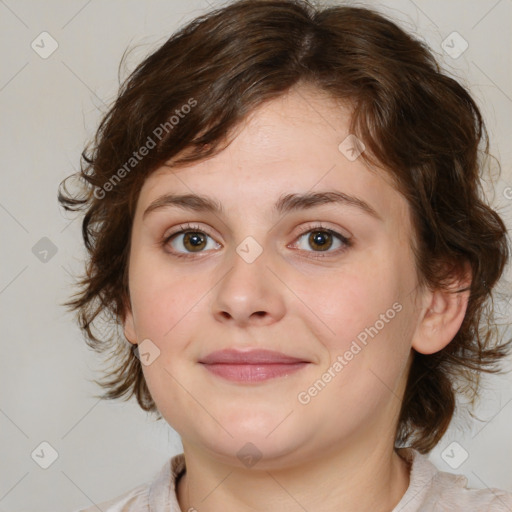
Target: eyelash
{"type": "Point", "coordinates": [185, 228]}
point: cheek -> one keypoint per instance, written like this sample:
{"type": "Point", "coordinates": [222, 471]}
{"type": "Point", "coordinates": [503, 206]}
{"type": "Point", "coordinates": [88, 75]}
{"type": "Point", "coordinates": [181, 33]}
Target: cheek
{"type": "Point", "coordinates": [162, 297]}
{"type": "Point", "coordinates": [368, 356]}
{"type": "Point", "coordinates": [350, 303]}
{"type": "Point", "coordinates": [369, 320]}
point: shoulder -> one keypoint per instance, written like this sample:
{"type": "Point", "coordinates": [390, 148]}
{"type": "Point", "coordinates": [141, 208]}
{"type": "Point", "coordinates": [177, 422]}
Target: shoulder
{"type": "Point", "coordinates": [157, 494]}
{"type": "Point", "coordinates": [134, 500]}
{"type": "Point", "coordinates": [433, 490]}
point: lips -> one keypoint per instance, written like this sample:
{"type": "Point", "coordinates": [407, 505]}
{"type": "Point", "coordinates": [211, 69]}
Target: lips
{"type": "Point", "coordinates": [261, 357]}
{"type": "Point", "coordinates": [252, 366]}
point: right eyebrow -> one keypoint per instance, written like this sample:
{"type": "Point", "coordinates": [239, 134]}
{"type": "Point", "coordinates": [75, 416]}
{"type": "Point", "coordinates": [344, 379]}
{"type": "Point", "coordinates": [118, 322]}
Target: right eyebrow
{"type": "Point", "coordinates": [193, 202]}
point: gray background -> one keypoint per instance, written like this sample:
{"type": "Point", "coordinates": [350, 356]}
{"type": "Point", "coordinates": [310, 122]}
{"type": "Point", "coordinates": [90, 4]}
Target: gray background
{"type": "Point", "coordinates": [49, 108]}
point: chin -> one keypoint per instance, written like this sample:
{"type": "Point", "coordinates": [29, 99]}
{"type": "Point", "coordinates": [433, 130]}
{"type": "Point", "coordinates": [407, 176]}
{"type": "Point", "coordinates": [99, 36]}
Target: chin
{"type": "Point", "coordinates": [253, 452]}
{"type": "Point", "coordinates": [269, 440]}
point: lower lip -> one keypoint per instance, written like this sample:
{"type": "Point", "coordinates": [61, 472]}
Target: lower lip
{"type": "Point", "coordinates": [253, 372]}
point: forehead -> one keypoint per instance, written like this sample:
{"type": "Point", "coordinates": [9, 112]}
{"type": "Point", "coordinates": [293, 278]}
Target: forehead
{"type": "Point", "coordinates": [287, 145]}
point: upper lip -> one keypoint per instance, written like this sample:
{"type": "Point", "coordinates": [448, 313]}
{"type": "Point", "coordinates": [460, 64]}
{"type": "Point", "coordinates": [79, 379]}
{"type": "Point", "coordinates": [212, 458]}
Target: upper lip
{"type": "Point", "coordinates": [256, 356]}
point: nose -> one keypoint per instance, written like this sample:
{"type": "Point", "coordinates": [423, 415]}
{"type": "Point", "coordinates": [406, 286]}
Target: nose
{"type": "Point", "coordinates": [248, 294]}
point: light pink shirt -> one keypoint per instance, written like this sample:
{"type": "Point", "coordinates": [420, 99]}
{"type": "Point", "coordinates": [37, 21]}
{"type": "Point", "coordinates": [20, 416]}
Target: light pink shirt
{"type": "Point", "coordinates": [430, 490]}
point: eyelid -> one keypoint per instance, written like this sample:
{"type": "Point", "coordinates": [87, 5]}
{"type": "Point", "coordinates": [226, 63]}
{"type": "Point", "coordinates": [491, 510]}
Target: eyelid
{"type": "Point", "coordinates": [184, 228]}
{"type": "Point", "coordinates": [346, 241]}
{"type": "Point", "coordinates": [180, 230]}
{"type": "Point", "coordinates": [321, 226]}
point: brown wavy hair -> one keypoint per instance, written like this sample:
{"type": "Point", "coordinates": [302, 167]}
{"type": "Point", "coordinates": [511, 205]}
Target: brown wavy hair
{"type": "Point", "coordinates": [419, 124]}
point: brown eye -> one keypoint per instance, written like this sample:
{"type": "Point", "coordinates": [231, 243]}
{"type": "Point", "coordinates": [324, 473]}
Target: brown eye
{"type": "Point", "coordinates": [321, 240]}
{"type": "Point", "coordinates": [188, 241]}
{"type": "Point", "coordinates": [194, 241]}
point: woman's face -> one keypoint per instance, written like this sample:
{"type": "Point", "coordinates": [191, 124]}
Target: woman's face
{"type": "Point", "coordinates": [273, 271]}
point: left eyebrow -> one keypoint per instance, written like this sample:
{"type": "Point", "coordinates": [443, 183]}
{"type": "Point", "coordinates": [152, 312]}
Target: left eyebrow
{"type": "Point", "coordinates": [293, 202]}
{"type": "Point", "coordinates": [285, 204]}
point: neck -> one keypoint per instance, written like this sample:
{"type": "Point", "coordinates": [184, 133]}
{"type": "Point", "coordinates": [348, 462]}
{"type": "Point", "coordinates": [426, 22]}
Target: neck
{"type": "Point", "coordinates": [350, 479]}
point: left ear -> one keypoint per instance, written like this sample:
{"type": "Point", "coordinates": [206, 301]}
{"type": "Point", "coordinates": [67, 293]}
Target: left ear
{"type": "Point", "coordinates": [442, 314]}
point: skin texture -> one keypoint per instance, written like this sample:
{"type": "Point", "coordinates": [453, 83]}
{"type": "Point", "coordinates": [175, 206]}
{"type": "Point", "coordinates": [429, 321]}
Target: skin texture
{"type": "Point", "coordinates": [338, 448]}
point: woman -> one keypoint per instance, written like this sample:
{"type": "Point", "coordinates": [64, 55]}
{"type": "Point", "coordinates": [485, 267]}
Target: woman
{"type": "Point", "coordinates": [283, 214]}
